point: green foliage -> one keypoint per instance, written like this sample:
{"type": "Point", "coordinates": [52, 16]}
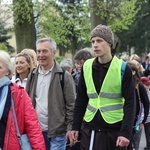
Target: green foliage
{"type": "Point", "coordinates": [118, 14]}
{"type": "Point", "coordinates": [4, 39]}
{"type": "Point", "coordinates": [59, 58]}
{"type": "Point", "coordinates": [138, 35]}
{"type": "Point", "coordinates": [127, 12]}
{"type": "Point", "coordinates": [3, 47]}
{"type": "Point", "coordinates": [22, 10]}
{"type": "Point", "coordinates": [68, 23]}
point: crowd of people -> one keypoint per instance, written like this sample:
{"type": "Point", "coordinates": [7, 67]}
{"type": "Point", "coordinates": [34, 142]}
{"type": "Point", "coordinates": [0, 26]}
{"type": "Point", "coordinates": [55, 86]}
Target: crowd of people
{"type": "Point", "coordinates": [95, 101]}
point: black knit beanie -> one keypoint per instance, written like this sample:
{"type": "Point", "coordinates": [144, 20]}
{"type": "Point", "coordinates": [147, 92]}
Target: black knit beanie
{"type": "Point", "coordinates": [103, 32]}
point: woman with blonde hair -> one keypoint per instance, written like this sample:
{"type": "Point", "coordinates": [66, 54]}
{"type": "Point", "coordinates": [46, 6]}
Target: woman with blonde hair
{"type": "Point", "coordinates": [135, 57]}
{"type": "Point", "coordinates": [137, 61]}
{"type": "Point", "coordinates": [11, 93]}
{"type": "Point", "coordinates": [23, 66]}
{"type": "Point", "coordinates": [32, 54]}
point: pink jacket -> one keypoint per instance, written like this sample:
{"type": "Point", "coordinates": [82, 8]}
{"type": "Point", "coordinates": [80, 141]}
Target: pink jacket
{"type": "Point", "coordinates": [27, 122]}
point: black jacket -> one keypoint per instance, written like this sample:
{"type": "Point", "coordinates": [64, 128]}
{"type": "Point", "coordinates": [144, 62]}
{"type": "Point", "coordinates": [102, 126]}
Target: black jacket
{"type": "Point", "coordinates": [144, 99]}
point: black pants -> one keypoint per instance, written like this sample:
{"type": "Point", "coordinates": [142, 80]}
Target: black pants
{"type": "Point", "coordinates": [102, 140]}
{"type": "Point", "coordinates": [76, 146]}
{"type": "Point", "coordinates": [147, 135]}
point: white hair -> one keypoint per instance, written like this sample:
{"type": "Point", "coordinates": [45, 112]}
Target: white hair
{"type": "Point", "coordinates": [66, 62]}
{"type": "Point", "coordinates": [5, 59]}
{"type": "Point", "coordinates": [52, 43]}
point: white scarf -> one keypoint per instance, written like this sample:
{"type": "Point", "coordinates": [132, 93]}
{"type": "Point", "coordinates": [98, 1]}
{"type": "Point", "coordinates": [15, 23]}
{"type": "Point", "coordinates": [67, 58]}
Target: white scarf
{"type": "Point", "coordinates": [4, 82]}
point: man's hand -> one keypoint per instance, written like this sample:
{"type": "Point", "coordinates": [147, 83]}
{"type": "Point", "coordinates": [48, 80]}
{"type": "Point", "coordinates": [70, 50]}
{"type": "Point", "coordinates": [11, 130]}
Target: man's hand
{"type": "Point", "coordinates": [122, 141]}
{"type": "Point", "coordinates": [68, 136]}
{"type": "Point", "coordinates": [74, 137]}
{"type": "Point", "coordinates": [141, 126]}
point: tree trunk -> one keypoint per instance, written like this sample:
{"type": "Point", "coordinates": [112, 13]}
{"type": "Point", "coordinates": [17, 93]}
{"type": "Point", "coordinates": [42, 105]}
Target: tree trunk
{"type": "Point", "coordinates": [95, 18]}
{"type": "Point", "coordinates": [24, 25]}
{"type": "Point", "coordinates": [61, 51]}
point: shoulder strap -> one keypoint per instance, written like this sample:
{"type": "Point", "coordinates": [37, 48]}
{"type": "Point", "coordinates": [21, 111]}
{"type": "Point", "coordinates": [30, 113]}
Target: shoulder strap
{"type": "Point", "coordinates": [62, 78]}
{"type": "Point", "coordinates": [32, 74]}
{"type": "Point", "coordinates": [138, 92]}
{"type": "Point", "coordinates": [123, 66]}
{"type": "Point", "coordinates": [15, 120]}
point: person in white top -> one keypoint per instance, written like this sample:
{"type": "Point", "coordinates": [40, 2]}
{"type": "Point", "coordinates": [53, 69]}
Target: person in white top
{"type": "Point", "coordinates": [23, 66]}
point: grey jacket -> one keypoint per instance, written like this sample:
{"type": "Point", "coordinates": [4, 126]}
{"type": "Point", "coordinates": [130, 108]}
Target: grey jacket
{"type": "Point", "coordinates": [60, 102]}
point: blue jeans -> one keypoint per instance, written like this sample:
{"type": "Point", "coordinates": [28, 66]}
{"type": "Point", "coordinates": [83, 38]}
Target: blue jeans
{"type": "Point", "coordinates": [55, 143]}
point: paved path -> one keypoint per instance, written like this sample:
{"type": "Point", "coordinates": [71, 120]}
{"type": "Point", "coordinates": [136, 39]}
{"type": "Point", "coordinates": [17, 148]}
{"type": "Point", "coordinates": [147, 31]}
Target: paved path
{"type": "Point", "coordinates": [142, 142]}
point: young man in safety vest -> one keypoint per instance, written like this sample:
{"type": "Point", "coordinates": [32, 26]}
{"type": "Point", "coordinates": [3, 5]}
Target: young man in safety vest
{"type": "Point", "coordinates": [105, 99]}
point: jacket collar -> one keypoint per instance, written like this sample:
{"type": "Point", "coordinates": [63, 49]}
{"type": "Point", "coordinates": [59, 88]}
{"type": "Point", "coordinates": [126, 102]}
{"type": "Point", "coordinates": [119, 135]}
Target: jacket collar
{"type": "Point", "coordinates": [56, 68]}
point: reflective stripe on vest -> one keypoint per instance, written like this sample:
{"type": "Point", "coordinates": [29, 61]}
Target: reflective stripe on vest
{"type": "Point", "coordinates": [109, 101]}
{"type": "Point", "coordinates": [106, 108]}
{"type": "Point", "coordinates": [105, 95]}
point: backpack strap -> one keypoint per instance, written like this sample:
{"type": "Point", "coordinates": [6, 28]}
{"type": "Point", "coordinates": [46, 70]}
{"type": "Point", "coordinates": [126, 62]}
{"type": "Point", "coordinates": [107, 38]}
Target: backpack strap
{"type": "Point", "coordinates": [62, 78]}
{"type": "Point", "coordinates": [123, 66]}
{"type": "Point", "coordinates": [32, 74]}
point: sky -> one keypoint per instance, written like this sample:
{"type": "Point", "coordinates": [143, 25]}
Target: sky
{"type": "Point", "coordinates": [10, 1]}
{"type": "Point", "coordinates": [6, 1]}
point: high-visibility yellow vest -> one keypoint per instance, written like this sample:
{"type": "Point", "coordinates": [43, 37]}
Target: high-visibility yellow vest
{"type": "Point", "coordinates": [109, 101]}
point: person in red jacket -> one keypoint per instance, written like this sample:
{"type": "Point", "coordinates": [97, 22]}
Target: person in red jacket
{"type": "Point", "coordinates": [25, 113]}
